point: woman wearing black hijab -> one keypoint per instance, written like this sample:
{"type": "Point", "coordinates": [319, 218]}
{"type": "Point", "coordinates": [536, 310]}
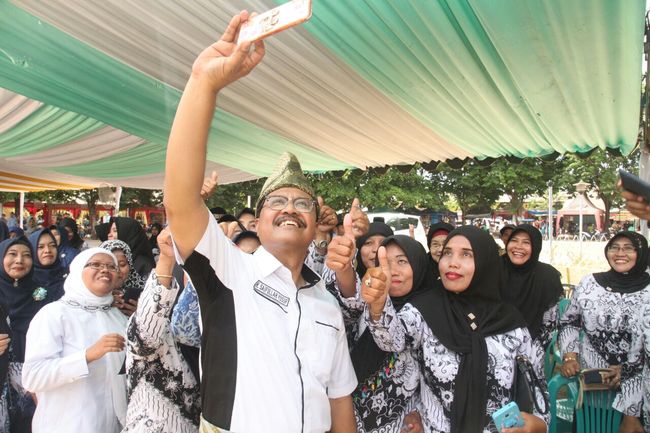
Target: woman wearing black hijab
{"type": "Point", "coordinates": [368, 244]}
{"type": "Point", "coordinates": [72, 230]}
{"type": "Point", "coordinates": [436, 237]}
{"type": "Point", "coordinates": [389, 380]}
{"type": "Point", "coordinates": [596, 329]}
{"type": "Point", "coordinates": [131, 232]}
{"type": "Point", "coordinates": [533, 287]}
{"type": "Point", "coordinates": [21, 298]}
{"type": "Point", "coordinates": [49, 273]}
{"type": "Point", "coordinates": [466, 339]}
{"type": "Point", "coordinates": [4, 231]}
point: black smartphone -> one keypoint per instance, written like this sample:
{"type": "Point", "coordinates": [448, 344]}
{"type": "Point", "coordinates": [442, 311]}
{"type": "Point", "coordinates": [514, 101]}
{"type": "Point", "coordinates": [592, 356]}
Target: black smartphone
{"type": "Point", "coordinates": [132, 293]}
{"type": "Point", "coordinates": [634, 184]}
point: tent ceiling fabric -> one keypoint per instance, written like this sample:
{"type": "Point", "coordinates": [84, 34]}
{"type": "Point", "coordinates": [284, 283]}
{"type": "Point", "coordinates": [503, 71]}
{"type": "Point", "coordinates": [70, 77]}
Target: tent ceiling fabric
{"type": "Point", "coordinates": [92, 86]}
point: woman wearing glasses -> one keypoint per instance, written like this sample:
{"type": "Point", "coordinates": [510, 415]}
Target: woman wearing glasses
{"type": "Point", "coordinates": [604, 308]}
{"type": "Point", "coordinates": [74, 352]}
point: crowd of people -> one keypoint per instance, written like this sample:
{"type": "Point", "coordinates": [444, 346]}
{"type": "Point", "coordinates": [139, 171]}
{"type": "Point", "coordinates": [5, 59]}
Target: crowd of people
{"type": "Point", "coordinates": [290, 317]}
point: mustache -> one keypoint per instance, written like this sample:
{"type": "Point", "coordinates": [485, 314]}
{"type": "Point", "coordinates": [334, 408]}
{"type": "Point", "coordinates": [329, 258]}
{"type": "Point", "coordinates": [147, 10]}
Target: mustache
{"type": "Point", "coordinates": [282, 218]}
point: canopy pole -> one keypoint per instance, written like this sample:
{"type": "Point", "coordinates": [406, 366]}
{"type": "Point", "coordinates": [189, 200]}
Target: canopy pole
{"type": "Point", "coordinates": [21, 210]}
{"type": "Point", "coordinates": [644, 157]}
{"type": "Point", "coordinates": [644, 173]}
{"type": "Point", "coordinates": [549, 225]}
{"type": "Point", "coordinates": [118, 195]}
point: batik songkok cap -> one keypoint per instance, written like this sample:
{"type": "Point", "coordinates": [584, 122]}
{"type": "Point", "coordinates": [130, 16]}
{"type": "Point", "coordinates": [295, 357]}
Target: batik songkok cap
{"type": "Point", "coordinates": [287, 173]}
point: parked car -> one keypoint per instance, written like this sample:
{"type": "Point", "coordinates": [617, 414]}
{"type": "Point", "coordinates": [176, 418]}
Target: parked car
{"type": "Point", "coordinates": [400, 222]}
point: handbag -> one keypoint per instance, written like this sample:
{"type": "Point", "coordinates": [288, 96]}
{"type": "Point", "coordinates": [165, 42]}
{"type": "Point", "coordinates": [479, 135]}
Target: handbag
{"type": "Point", "coordinates": [593, 379]}
{"type": "Point", "coordinates": [524, 386]}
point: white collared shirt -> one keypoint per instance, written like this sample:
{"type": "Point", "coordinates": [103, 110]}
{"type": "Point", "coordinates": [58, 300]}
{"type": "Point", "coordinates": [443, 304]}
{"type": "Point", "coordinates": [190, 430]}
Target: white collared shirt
{"type": "Point", "coordinates": [272, 355]}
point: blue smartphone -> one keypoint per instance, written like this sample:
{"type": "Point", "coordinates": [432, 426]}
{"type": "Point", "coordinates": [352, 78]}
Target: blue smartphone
{"type": "Point", "coordinates": [508, 416]}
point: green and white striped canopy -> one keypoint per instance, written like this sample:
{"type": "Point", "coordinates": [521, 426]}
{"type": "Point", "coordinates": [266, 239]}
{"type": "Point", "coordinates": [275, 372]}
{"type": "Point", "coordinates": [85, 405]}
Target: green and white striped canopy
{"type": "Point", "coordinates": [88, 89]}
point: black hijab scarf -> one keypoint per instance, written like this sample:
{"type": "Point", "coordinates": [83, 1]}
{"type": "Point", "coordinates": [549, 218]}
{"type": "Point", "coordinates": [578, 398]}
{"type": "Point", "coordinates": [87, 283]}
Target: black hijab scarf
{"type": "Point", "coordinates": [16, 297]}
{"type": "Point", "coordinates": [367, 358]}
{"type": "Point", "coordinates": [101, 230]}
{"type": "Point", "coordinates": [636, 278]}
{"type": "Point", "coordinates": [4, 231]}
{"type": "Point", "coordinates": [433, 228]}
{"type": "Point", "coordinates": [532, 287]}
{"type": "Point", "coordinates": [153, 240]}
{"type": "Point", "coordinates": [375, 228]}
{"type": "Point", "coordinates": [448, 315]}
{"type": "Point", "coordinates": [76, 241]}
{"type": "Point", "coordinates": [66, 251]}
{"type": "Point", "coordinates": [50, 277]}
{"type": "Point", "coordinates": [131, 232]}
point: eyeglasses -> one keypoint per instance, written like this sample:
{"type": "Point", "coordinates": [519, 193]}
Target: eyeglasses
{"type": "Point", "coordinates": [96, 266]}
{"type": "Point", "coordinates": [301, 204]}
{"type": "Point", "coordinates": [627, 249]}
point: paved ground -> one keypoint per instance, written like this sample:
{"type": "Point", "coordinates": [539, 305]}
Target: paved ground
{"type": "Point", "coordinates": [572, 262]}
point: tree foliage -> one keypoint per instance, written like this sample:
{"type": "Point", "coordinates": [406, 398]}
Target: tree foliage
{"type": "Point", "coordinates": [600, 171]}
{"type": "Point", "coordinates": [474, 187]}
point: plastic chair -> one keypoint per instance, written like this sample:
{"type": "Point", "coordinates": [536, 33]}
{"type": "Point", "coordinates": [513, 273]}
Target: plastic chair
{"type": "Point", "coordinates": [552, 356]}
{"type": "Point", "coordinates": [562, 409]}
{"type": "Point", "coordinates": [595, 416]}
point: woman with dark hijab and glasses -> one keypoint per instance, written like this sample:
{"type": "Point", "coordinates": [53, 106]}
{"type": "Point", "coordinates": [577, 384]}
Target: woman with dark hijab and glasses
{"type": "Point", "coordinates": [596, 329]}
{"type": "Point", "coordinates": [436, 237]}
{"type": "Point", "coordinates": [533, 287]}
{"type": "Point", "coordinates": [465, 338]}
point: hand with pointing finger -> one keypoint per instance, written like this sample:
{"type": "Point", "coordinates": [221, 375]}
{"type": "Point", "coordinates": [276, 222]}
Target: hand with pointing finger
{"type": "Point", "coordinates": [360, 222]}
{"type": "Point", "coordinates": [375, 285]}
{"type": "Point", "coordinates": [340, 253]}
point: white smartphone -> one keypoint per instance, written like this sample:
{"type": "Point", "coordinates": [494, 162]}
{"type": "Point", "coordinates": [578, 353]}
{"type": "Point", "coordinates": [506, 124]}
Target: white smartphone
{"type": "Point", "coordinates": [274, 21]}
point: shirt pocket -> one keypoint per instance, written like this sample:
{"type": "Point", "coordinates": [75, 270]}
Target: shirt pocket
{"type": "Point", "coordinates": [321, 359]}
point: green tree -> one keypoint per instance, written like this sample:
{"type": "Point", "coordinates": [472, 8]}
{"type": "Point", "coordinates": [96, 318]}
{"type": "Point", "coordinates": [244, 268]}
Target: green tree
{"type": "Point", "coordinates": [233, 197]}
{"type": "Point", "coordinates": [599, 170]}
{"type": "Point", "coordinates": [395, 189]}
{"type": "Point", "coordinates": [521, 180]}
{"type": "Point", "coordinates": [472, 185]}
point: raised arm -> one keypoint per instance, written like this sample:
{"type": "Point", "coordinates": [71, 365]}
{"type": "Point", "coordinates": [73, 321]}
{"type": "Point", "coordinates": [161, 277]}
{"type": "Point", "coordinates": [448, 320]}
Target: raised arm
{"type": "Point", "coordinates": [217, 66]}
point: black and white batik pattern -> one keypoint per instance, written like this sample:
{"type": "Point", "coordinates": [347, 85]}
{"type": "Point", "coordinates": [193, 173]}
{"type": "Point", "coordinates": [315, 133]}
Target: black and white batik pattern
{"type": "Point", "coordinates": [605, 318]}
{"type": "Point", "coordinates": [315, 260]}
{"type": "Point", "coordinates": [549, 325]}
{"type": "Point", "coordinates": [408, 330]}
{"type": "Point", "coordinates": [383, 400]}
{"type": "Point", "coordinates": [634, 398]}
{"type": "Point", "coordinates": [163, 393]}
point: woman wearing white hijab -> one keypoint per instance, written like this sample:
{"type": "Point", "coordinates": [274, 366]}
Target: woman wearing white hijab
{"type": "Point", "coordinates": [75, 351]}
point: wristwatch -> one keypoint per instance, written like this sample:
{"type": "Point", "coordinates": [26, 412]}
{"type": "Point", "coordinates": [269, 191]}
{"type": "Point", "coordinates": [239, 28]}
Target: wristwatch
{"type": "Point", "coordinates": [321, 244]}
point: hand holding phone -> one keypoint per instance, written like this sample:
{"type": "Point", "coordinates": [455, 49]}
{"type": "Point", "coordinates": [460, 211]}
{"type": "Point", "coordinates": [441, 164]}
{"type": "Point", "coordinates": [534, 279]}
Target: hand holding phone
{"type": "Point", "coordinates": [508, 416]}
{"type": "Point", "coordinates": [274, 21]}
{"type": "Point", "coordinates": [634, 184]}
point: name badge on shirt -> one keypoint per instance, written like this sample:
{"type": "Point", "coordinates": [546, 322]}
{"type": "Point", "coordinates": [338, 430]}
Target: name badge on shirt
{"type": "Point", "coordinates": [271, 294]}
